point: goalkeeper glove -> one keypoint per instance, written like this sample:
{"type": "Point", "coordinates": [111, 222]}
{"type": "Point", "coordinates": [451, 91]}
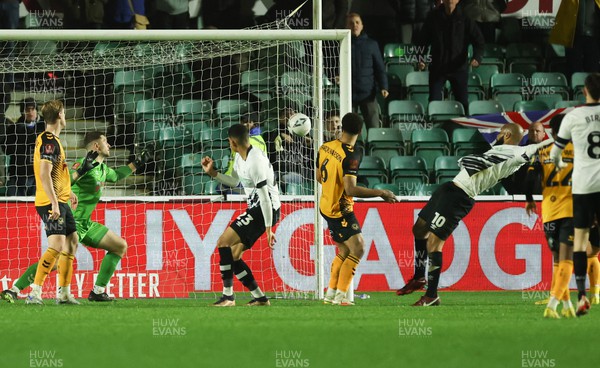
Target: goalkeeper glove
{"type": "Point", "coordinates": [142, 157]}
{"type": "Point", "coordinates": [88, 163]}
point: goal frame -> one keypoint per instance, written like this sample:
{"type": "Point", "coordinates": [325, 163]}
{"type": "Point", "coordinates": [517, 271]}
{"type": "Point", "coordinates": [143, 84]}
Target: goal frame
{"type": "Point", "coordinates": [317, 36]}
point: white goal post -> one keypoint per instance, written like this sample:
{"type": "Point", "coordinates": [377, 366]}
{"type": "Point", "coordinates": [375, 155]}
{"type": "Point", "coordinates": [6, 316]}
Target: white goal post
{"type": "Point", "coordinates": [233, 39]}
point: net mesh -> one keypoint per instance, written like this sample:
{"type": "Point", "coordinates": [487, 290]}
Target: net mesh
{"type": "Point", "coordinates": [176, 99]}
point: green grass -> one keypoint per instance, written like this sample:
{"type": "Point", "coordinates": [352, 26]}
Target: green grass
{"type": "Point", "coordinates": [490, 329]}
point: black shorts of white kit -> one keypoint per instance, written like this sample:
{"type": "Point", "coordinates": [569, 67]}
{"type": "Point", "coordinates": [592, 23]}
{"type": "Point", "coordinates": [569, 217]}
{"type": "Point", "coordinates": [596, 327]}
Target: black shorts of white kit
{"type": "Point", "coordinates": [342, 228]}
{"type": "Point", "coordinates": [559, 231]}
{"type": "Point", "coordinates": [585, 208]}
{"type": "Point", "coordinates": [64, 225]}
{"type": "Point", "coordinates": [447, 206]}
{"type": "Point", "coordinates": [250, 225]}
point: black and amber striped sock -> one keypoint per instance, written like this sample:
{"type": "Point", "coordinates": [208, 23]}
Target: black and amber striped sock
{"type": "Point", "coordinates": [347, 273]}
{"type": "Point", "coordinates": [45, 265]}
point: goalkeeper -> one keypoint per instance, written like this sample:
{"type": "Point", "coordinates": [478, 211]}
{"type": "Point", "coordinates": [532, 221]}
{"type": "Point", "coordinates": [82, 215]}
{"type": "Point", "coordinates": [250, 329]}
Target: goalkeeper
{"type": "Point", "coordinates": [88, 176]}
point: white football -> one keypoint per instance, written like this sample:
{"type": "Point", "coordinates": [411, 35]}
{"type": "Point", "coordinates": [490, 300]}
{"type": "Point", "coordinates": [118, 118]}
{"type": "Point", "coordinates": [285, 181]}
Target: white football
{"type": "Point", "coordinates": [299, 124]}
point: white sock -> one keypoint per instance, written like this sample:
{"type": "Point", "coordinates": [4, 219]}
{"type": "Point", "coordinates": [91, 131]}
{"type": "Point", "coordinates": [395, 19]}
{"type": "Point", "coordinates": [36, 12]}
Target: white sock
{"type": "Point", "coordinates": [36, 290]}
{"type": "Point", "coordinates": [228, 290]}
{"type": "Point", "coordinates": [330, 293]}
{"type": "Point", "coordinates": [98, 289]}
{"type": "Point", "coordinates": [339, 295]}
{"type": "Point", "coordinates": [257, 293]}
{"type": "Point", "coordinates": [553, 303]}
{"type": "Point", "coordinates": [15, 289]}
{"type": "Point", "coordinates": [64, 290]}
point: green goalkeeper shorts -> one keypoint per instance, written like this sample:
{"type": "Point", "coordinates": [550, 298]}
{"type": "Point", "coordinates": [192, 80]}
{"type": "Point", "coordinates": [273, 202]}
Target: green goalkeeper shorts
{"type": "Point", "coordinates": [91, 233]}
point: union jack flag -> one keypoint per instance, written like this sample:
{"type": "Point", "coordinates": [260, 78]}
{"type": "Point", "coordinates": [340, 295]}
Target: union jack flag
{"type": "Point", "coordinates": [489, 125]}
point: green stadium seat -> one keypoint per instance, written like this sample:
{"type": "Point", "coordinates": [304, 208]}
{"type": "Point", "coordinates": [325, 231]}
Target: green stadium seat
{"type": "Point", "coordinates": [231, 109]}
{"type": "Point", "coordinates": [401, 70]}
{"type": "Point", "coordinates": [391, 187]}
{"type": "Point", "coordinates": [566, 103]}
{"type": "Point", "coordinates": [508, 100]}
{"type": "Point", "coordinates": [524, 68]}
{"type": "Point", "coordinates": [486, 72]}
{"type": "Point", "coordinates": [523, 54]}
{"type": "Point", "coordinates": [507, 83]}
{"type": "Point", "coordinates": [408, 186]}
{"type": "Point", "coordinates": [214, 138]}
{"type": "Point", "coordinates": [133, 80]}
{"type": "Point", "coordinates": [296, 81]}
{"type": "Point", "coordinates": [445, 110]}
{"type": "Point", "coordinates": [305, 188]}
{"type": "Point", "coordinates": [446, 167]}
{"type": "Point", "coordinates": [380, 140]}
{"type": "Point", "coordinates": [475, 85]}
{"type": "Point", "coordinates": [522, 106]}
{"type": "Point", "coordinates": [549, 100]}
{"type": "Point", "coordinates": [430, 144]}
{"type": "Point", "coordinates": [372, 168]}
{"type": "Point", "coordinates": [407, 166]}
{"type": "Point", "coordinates": [194, 184]}
{"type": "Point", "coordinates": [257, 81]}
{"type": "Point", "coordinates": [153, 109]}
{"type": "Point", "coordinates": [125, 104]}
{"type": "Point", "coordinates": [577, 83]}
{"type": "Point", "coordinates": [405, 111]}
{"type": "Point", "coordinates": [191, 164]}
{"type": "Point", "coordinates": [468, 140]}
{"type": "Point", "coordinates": [550, 83]}
{"type": "Point", "coordinates": [485, 107]}
{"type": "Point", "coordinates": [101, 49]}
{"type": "Point", "coordinates": [422, 98]}
{"type": "Point", "coordinates": [212, 187]}
{"type": "Point", "coordinates": [417, 82]}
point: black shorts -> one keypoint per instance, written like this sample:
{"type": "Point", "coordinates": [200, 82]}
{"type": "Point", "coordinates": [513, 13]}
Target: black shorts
{"type": "Point", "coordinates": [342, 228]}
{"type": "Point", "coordinates": [559, 231]}
{"type": "Point", "coordinates": [447, 206]}
{"type": "Point", "coordinates": [64, 225]}
{"type": "Point", "coordinates": [585, 208]}
{"type": "Point", "coordinates": [250, 225]}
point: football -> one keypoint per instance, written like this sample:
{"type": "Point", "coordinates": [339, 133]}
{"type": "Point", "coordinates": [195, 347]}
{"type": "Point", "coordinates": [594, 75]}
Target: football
{"type": "Point", "coordinates": [299, 124]}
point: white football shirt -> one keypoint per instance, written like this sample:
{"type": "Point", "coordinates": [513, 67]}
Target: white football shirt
{"type": "Point", "coordinates": [582, 126]}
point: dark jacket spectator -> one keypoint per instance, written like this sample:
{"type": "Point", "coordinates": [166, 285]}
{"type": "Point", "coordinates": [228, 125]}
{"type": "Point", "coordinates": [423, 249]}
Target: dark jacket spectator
{"type": "Point", "coordinates": [486, 14]}
{"type": "Point", "coordinates": [19, 143]}
{"type": "Point", "coordinates": [411, 11]}
{"type": "Point", "coordinates": [449, 37]}
{"type": "Point", "coordinates": [368, 69]}
{"type": "Point", "coordinates": [227, 14]}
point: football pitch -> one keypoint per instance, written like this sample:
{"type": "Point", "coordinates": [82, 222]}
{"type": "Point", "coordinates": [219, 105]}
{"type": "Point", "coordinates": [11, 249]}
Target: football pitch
{"type": "Point", "coordinates": [470, 329]}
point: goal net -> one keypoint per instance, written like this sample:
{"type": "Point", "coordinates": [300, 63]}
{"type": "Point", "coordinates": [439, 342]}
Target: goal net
{"type": "Point", "coordinates": [175, 93]}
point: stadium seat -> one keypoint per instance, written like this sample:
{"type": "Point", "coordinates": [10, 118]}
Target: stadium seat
{"type": "Point", "coordinates": [401, 70]}
{"type": "Point", "coordinates": [296, 81]}
{"type": "Point", "coordinates": [507, 83]}
{"type": "Point", "coordinates": [445, 110]}
{"type": "Point", "coordinates": [405, 111]}
{"type": "Point", "coordinates": [133, 80]}
{"type": "Point", "coordinates": [524, 68]}
{"type": "Point", "coordinates": [211, 187]}
{"type": "Point", "coordinates": [550, 83]}
{"type": "Point", "coordinates": [391, 52]}
{"type": "Point", "coordinates": [475, 85]}
{"type": "Point", "coordinates": [549, 100]}
{"type": "Point", "coordinates": [429, 144]}
{"type": "Point", "coordinates": [191, 110]}
{"type": "Point", "coordinates": [508, 100]}
{"type": "Point", "coordinates": [372, 168]}
{"type": "Point", "coordinates": [422, 98]}
{"type": "Point", "coordinates": [485, 107]}
{"type": "Point", "coordinates": [125, 104]}
{"type": "Point", "coordinates": [468, 140]}
{"type": "Point", "coordinates": [493, 54]}
{"type": "Point", "coordinates": [214, 138]}
{"type": "Point", "coordinates": [385, 142]}
{"type": "Point", "coordinates": [408, 186]}
{"type": "Point", "coordinates": [407, 166]}
{"type": "Point", "coordinates": [191, 164]}
{"type": "Point", "coordinates": [231, 109]}
{"type": "Point", "coordinates": [427, 189]}
{"type": "Point", "coordinates": [257, 81]}
{"type": "Point", "coordinates": [446, 167]}
{"type": "Point", "coordinates": [391, 187]}
{"type": "Point", "coordinates": [522, 106]}
{"type": "Point", "coordinates": [577, 83]}
{"type": "Point", "coordinates": [103, 48]}
{"type": "Point", "coordinates": [486, 72]}
{"type": "Point", "coordinates": [417, 82]}
{"type": "Point", "coordinates": [523, 54]}
{"type": "Point", "coordinates": [194, 184]}
{"type": "Point", "coordinates": [153, 109]}
{"type": "Point", "coordinates": [174, 142]}
{"type": "Point", "coordinates": [566, 103]}
{"type": "Point", "coordinates": [305, 188]}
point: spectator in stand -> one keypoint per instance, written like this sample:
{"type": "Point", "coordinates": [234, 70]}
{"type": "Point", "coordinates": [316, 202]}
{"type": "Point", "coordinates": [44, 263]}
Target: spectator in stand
{"type": "Point", "coordinates": [171, 14]}
{"type": "Point", "coordinates": [121, 16]}
{"type": "Point", "coordinates": [227, 14]}
{"type": "Point", "coordinates": [19, 143]}
{"type": "Point", "coordinates": [368, 72]}
{"type": "Point", "coordinates": [486, 14]}
{"type": "Point", "coordinates": [333, 126]}
{"type": "Point", "coordinates": [449, 32]}
{"type": "Point", "coordinates": [515, 184]}
{"type": "Point", "coordinates": [291, 155]}
{"type": "Point", "coordinates": [410, 15]}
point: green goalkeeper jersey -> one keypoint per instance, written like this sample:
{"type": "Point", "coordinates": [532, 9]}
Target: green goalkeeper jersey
{"type": "Point", "coordinates": [88, 188]}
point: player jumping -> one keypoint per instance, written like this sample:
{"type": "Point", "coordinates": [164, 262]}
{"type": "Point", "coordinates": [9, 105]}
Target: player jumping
{"type": "Point", "coordinates": [251, 168]}
{"type": "Point", "coordinates": [337, 168]}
